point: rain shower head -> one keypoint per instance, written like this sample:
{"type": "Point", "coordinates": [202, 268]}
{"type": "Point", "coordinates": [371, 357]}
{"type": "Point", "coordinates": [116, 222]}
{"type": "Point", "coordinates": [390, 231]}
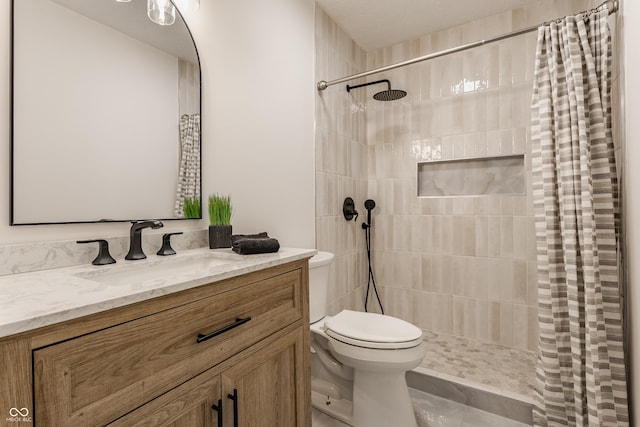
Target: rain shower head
{"type": "Point", "coordinates": [385, 95]}
{"type": "Point", "coordinates": [389, 95]}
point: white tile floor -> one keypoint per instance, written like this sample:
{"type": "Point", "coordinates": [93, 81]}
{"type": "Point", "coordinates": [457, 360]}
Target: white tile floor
{"type": "Point", "coordinates": [433, 411]}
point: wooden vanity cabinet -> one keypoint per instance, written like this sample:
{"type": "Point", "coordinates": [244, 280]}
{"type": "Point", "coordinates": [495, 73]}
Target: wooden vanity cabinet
{"type": "Point", "coordinates": [234, 352]}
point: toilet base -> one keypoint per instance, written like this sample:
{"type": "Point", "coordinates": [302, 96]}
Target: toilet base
{"type": "Point", "coordinates": [382, 399]}
{"type": "Point", "coordinates": [340, 409]}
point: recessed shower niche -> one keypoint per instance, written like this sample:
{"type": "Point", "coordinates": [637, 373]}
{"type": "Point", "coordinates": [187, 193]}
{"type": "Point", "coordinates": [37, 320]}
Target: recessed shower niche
{"type": "Point", "coordinates": [504, 175]}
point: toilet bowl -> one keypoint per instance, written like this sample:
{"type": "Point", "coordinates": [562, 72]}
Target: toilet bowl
{"type": "Point", "coordinates": [363, 358]}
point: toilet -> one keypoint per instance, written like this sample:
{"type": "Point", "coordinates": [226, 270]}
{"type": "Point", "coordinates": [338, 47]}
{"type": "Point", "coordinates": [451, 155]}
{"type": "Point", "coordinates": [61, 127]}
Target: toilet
{"type": "Point", "coordinates": [359, 359]}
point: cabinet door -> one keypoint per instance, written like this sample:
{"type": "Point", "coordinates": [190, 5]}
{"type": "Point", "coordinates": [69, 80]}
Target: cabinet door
{"type": "Point", "coordinates": [269, 385]}
{"type": "Point", "coordinates": [188, 405]}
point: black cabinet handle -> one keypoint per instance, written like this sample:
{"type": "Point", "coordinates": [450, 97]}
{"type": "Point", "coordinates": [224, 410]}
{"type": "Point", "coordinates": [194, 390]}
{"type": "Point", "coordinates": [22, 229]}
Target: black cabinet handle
{"type": "Point", "coordinates": [239, 321]}
{"type": "Point", "coordinates": [234, 397]}
{"type": "Point", "coordinates": [218, 409]}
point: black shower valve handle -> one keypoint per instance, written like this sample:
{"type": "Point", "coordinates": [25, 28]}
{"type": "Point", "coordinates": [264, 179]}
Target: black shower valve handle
{"type": "Point", "coordinates": [349, 209]}
{"type": "Point", "coordinates": [104, 257]}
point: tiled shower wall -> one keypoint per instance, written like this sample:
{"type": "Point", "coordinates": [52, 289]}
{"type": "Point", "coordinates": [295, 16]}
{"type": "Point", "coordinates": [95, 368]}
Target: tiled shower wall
{"type": "Point", "coordinates": [341, 163]}
{"type": "Point", "coordinates": [458, 265]}
{"type": "Point", "coordinates": [463, 266]}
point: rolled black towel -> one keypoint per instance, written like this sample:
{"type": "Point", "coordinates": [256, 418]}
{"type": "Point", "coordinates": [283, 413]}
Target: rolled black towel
{"type": "Point", "coordinates": [249, 245]}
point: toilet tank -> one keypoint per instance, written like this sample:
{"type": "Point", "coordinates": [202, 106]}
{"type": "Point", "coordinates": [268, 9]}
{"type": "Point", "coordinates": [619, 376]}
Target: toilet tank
{"type": "Point", "coordinates": [319, 269]}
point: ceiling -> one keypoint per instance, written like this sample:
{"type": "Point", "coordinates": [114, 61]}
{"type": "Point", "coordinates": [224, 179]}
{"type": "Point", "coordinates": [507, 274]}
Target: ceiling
{"type": "Point", "coordinates": [379, 23]}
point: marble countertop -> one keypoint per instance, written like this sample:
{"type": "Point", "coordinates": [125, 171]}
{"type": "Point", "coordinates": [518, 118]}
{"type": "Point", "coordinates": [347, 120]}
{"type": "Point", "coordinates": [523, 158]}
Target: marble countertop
{"type": "Point", "coordinates": [33, 300]}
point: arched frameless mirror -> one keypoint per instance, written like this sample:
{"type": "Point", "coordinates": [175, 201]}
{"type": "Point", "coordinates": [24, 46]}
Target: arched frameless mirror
{"type": "Point", "coordinates": [105, 113]}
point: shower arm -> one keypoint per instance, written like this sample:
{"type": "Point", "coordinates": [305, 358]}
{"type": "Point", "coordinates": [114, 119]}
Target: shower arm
{"type": "Point", "coordinates": [369, 84]}
{"type": "Point", "coordinates": [322, 85]}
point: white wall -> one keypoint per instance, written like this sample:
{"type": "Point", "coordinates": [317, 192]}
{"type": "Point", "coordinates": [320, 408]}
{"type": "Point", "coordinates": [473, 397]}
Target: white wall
{"type": "Point", "coordinates": [258, 104]}
{"type": "Point", "coordinates": [257, 121]}
{"type": "Point", "coordinates": [631, 33]}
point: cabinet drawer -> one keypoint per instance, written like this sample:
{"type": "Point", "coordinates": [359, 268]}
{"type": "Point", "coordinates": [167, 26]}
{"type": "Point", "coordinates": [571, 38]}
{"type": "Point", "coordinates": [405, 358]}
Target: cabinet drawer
{"type": "Point", "coordinates": [93, 379]}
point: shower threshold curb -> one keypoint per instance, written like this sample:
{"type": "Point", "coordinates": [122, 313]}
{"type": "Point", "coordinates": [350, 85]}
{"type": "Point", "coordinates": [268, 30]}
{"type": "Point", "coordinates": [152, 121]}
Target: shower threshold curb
{"type": "Point", "coordinates": [504, 403]}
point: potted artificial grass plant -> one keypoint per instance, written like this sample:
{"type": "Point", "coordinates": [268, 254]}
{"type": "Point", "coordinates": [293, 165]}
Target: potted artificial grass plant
{"type": "Point", "coordinates": [220, 221]}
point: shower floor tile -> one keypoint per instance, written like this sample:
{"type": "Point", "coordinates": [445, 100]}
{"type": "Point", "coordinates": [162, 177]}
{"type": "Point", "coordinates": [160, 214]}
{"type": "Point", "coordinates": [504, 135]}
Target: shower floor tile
{"type": "Point", "coordinates": [490, 366]}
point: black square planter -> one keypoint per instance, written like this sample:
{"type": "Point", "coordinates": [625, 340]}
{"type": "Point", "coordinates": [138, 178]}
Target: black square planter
{"type": "Point", "coordinates": [219, 236]}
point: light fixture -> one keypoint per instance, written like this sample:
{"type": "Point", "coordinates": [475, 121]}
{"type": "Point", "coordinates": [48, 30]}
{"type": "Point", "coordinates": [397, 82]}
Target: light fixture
{"type": "Point", "coordinates": [187, 5]}
{"type": "Point", "coordinates": [123, 1]}
{"type": "Point", "coordinates": [162, 12]}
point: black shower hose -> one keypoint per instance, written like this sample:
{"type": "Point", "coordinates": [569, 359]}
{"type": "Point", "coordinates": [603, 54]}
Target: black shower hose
{"type": "Point", "coordinates": [371, 279]}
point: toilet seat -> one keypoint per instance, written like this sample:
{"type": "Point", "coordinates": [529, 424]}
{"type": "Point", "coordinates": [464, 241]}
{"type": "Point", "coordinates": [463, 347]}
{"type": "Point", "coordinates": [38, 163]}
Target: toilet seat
{"type": "Point", "coordinates": [371, 330]}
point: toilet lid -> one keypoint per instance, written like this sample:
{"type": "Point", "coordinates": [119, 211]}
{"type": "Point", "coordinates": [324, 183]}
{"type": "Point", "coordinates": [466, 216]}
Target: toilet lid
{"type": "Point", "coordinates": [373, 328]}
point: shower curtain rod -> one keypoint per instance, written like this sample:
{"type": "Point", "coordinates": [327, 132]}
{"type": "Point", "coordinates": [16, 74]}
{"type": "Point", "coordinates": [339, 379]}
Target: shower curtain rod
{"type": "Point", "coordinates": [322, 85]}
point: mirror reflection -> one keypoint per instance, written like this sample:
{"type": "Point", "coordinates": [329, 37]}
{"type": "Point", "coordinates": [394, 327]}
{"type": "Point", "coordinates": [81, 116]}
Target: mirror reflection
{"type": "Point", "coordinates": [106, 113]}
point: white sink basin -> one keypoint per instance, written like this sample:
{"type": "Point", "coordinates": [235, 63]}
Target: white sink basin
{"type": "Point", "coordinates": [134, 272]}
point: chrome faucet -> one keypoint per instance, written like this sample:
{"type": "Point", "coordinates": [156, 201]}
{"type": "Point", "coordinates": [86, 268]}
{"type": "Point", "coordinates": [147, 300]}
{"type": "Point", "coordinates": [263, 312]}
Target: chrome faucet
{"type": "Point", "coordinates": [135, 240]}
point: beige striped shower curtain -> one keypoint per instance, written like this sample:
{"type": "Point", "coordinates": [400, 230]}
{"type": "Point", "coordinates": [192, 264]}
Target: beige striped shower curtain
{"type": "Point", "coordinates": [580, 375]}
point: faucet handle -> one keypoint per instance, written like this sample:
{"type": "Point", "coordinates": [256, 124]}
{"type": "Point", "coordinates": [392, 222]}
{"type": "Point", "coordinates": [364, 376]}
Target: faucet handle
{"type": "Point", "coordinates": [166, 248]}
{"type": "Point", "coordinates": [104, 257]}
